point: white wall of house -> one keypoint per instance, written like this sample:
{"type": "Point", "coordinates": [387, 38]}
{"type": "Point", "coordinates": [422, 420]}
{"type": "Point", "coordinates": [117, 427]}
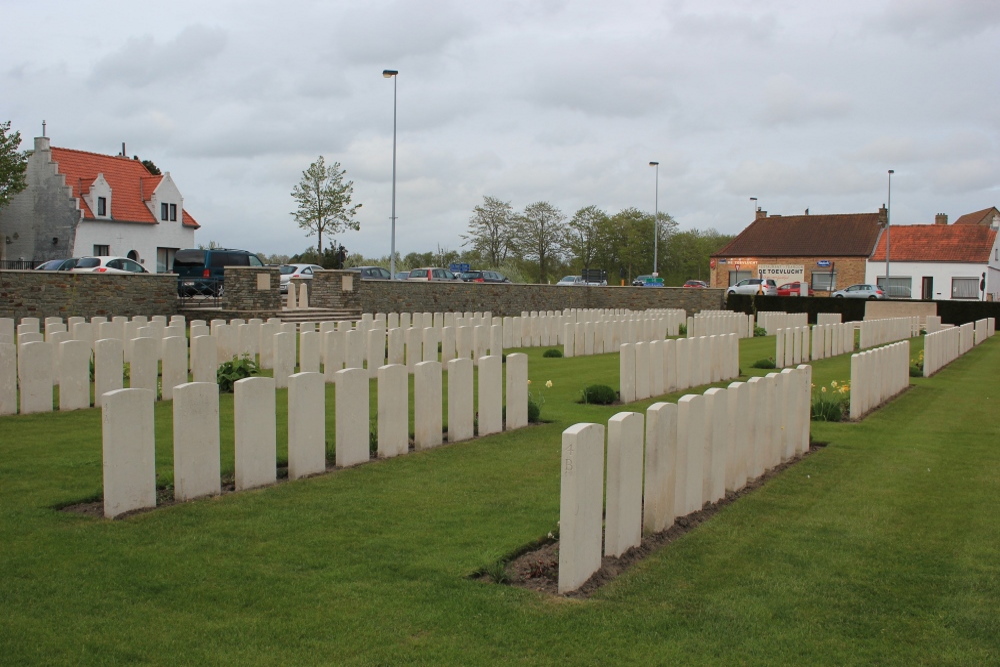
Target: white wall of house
{"type": "Point", "coordinates": [943, 275]}
{"type": "Point", "coordinates": [124, 237]}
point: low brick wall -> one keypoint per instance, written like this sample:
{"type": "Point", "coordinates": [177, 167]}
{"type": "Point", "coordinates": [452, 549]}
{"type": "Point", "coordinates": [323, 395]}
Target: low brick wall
{"type": "Point", "coordinates": [337, 289]}
{"type": "Point", "coordinates": [503, 299]}
{"type": "Point", "coordinates": [62, 294]}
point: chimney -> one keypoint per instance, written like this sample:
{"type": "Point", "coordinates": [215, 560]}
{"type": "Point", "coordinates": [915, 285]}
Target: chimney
{"type": "Point", "coordinates": [941, 219]}
{"type": "Point", "coordinates": [883, 216]}
{"type": "Point", "coordinates": [761, 214]}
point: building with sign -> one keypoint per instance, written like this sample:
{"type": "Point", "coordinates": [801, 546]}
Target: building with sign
{"type": "Point", "coordinates": [827, 251]}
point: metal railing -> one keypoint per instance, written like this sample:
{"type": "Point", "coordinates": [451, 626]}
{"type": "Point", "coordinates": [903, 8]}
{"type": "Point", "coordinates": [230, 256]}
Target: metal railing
{"type": "Point", "coordinates": [18, 264]}
{"type": "Point", "coordinates": [200, 291]}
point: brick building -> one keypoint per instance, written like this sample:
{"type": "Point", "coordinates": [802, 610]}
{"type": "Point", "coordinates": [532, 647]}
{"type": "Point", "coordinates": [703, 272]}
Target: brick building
{"type": "Point", "coordinates": [829, 252]}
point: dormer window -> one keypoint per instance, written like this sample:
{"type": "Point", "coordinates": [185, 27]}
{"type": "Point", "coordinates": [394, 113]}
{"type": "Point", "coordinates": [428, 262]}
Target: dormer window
{"type": "Point", "coordinates": [102, 206]}
{"type": "Point", "coordinates": [173, 213]}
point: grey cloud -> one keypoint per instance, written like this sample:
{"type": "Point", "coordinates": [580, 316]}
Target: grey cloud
{"type": "Point", "coordinates": [786, 101]}
{"type": "Point", "coordinates": [142, 61]}
{"type": "Point", "coordinates": [946, 21]}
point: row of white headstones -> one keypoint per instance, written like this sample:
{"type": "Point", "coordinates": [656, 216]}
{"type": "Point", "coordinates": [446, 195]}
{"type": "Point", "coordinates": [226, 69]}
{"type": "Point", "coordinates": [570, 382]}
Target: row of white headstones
{"type": "Point", "coordinates": [675, 461]}
{"type": "Point", "coordinates": [39, 363]}
{"type": "Point", "coordinates": [945, 345]}
{"type": "Point", "coordinates": [664, 366]}
{"type": "Point", "coordinates": [128, 425]}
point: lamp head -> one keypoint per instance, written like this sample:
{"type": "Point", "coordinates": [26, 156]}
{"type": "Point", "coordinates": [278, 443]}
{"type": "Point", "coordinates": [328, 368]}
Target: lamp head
{"type": "Point", "coordinates": [389, 73]}
{"type": "Point", "coordinates": [653, 164]}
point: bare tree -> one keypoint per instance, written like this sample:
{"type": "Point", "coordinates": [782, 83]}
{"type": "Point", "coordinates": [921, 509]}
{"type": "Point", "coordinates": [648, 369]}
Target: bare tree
{"type": "Point", "coordinates": [324, 201]}
{"type": "Point", "coordinates": [490, 230]}
{"type": "Point", "coordinates": [540, 235]}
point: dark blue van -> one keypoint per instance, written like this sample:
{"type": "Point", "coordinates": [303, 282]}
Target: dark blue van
{"type": "Point", "coordinates": [201, 271]}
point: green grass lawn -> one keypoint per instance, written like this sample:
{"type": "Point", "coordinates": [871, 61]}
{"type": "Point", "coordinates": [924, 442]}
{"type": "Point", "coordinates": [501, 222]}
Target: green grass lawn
{"type": "Point", "coordinates": [881, 548]}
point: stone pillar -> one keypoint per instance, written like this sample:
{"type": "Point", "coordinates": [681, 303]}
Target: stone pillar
{"type": "Point", "coordinates": [427, 405]}
{"type": "Point", "coordinates": [581, 504]}
{"type": "Point", "coordinates": [352, 415]}
{"type": "Point", "coordinates": [129, 451]}
{"type": "Point", "coordinates": [461, 414]}
{"type": "Point", "coordinates": [306, 423]}
{"type": "Point", "coordinates": [254, 427]}
{"type": "Point", "coordinates": [196, 440]}
{"type": "Point", "coordinates": [623, 518]}
{"type": "Point", "coordinates": [393, 410]}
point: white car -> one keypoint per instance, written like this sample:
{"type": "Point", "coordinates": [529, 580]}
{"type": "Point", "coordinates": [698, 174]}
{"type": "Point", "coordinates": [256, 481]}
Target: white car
{"type": "Point", "coordinates": [870, 292]}
{"type": "Point", "coordinates": [289, 271]}
{"type": "Point", "coordinates": [108, 264]}
{"type": "Point", "coordinates": [572, 281]}
{"type": "Point", "coordinates": [755, 286]}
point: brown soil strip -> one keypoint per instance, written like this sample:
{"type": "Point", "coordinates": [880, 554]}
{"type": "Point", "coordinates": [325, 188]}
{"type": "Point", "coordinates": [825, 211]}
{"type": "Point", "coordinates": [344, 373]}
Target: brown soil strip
{"type": "Point", "coordinates": [538, 568]}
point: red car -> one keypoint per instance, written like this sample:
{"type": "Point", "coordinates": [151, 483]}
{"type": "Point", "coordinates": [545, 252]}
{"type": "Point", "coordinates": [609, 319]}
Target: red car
{"type": "Point", "coordinates": [793, 289]}
{"type": "Point", "coordinates": [696, 284]}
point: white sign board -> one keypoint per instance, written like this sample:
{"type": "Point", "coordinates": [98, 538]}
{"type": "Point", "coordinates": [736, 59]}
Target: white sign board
{"type": "Point", "coordinates": [782, 273]}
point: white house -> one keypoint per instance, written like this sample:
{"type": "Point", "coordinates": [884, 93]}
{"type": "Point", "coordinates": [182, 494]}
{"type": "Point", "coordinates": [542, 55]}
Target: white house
{"type": "Point", "coordinates": [78, 203]}
{"type": "Point", "coordinates": [938, 261]}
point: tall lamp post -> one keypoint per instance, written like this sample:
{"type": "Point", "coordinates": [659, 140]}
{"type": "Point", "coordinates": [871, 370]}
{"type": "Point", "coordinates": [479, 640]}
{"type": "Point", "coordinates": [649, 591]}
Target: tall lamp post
{"type": "Point", "coordinates": [392, 74]}
{"type": "Point", "coordinates": [656, 220]}
{"type": "Point", "coordinates": [888, 221]}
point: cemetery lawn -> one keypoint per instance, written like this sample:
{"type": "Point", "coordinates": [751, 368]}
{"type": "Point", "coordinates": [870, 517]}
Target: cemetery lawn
{"type": "Point", "coordinates": [881, 548]}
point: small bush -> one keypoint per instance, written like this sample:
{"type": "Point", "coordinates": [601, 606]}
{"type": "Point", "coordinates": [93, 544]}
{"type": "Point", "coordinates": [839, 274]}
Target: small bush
{"type": "Point", "coordinates": [497, 572]}
{"type": "Point", "coordinates": [763, 363]}
{"type": "Point", "coordinates": [534, 412]}
{"type": "Point", "coordinates": [916, 371]}
{"type": "Point", "coordinates": [373, 437]}
{"type": "Point", "coordinates": [235, 369]}
{"type": "Point", "coordinates": [682, 330]}
{"type": "Point", "coordinates": [599, 394]}
{"type": "Point", "coordinates": [759, 332]}
{"type": "Point", "coordinates": [552, 352]}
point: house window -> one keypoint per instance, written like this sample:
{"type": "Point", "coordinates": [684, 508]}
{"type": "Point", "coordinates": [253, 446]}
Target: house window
{"type": "Point", "coordinates": [965, 288]}
{"type": "Point", "coordinates": [101, 250]}
{"type": "Point", "coordinates": [102, 206]}
{"type": "Point", "coordinates": [898, 287]}
{"type": "Point", "coordinates": [173, 213]}
{"type": "Point", "coordinates": [736, 276]}
{"type": "Point", "coordinates": [164, 211]}
{"type": "Point", "coordinates": [824, 281]}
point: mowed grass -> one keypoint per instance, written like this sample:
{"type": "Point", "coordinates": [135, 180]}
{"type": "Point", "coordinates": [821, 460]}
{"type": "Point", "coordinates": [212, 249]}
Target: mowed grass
{"type": "Point", "coordinates": [881, 548]}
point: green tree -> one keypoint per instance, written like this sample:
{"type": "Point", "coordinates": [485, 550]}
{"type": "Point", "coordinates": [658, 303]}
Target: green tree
{"type": "Point", "coordinates": [13, 164]}
{"type": "Point", "coordinates": [324, 201]}
{"type": "Point", "coordinates": [540, 236]}
{"type": "Point", "coordinates": [586, 234]}
{"type": "Point", "coordinates": [151, 167]}
{"type": "Point", "coordinates": [490, 230]}
{"type": "Point", "coordinates": [689, 253]}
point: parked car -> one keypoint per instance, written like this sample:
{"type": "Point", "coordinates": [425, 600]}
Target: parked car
{"type": "Point", "coordinates": [860, 292]}
{"type": "Point", "coordinates": [484, 277]}
{"type": "Point", "coordinates": [754, 286]}
{"type": "Point", "coordinates": [696, 284]}
{"type": "Point", "coordinates": [647, 281]}
{"type": "Point", "coordinates": [288, 271]}
{"type": "Point", "coordinates": [372, 272]}
{"type": "Point", "coordinates": [201, 271]}
{"type": "Point", "coordinates": [108, 264]}
{"type": "Point", "coordinates": [433, 274]}
{"type": "Point", "coordinates": [402, 275]}
{"type": "Point", "coordinates": [58, 264]}
{"type": "Point", "coordinates": [795, 289]}
{"type": "Point", "coordinates": [572, 281]}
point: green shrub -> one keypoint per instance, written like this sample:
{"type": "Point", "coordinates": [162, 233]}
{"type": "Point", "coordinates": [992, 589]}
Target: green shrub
{"type": "Point", "coordinates": [827, 410]}
{"type": "Point", "coordinates": [682, 330]}
{"type": "Point", "coordinates": [763, 363]}
{"type": "Point", "coordinates": [534, 412]}
{"type": "Point", "coordinates": [599, 394]}
{"type": "Point", "coordinates": [373, 436]}
{"type": "Point", "coordinates": [237, 368]}
{"type": "Point", "coordinates": [497, 571]}
{"type": "Point", "coordinates": [916, 371]}
{"type": "Point", "coordinates": [759, 332]}
{"type": "Point", "coordinates": [552, 352]}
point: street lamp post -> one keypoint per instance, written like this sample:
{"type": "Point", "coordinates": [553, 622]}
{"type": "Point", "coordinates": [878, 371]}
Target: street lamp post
{"type": "Point", "coordinates": [888, 222]}
{"type": "Point", "coordinates": [392, 74]}
{"type": "Point", "coordinates": [656, 220]}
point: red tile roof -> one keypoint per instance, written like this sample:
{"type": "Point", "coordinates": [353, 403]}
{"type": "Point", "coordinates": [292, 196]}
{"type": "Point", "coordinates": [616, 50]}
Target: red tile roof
{"type": "Point", "coordinates": [937, 243]}
{"type": "Point", "coordinates": [984, 217]}
{"type": "Point", "coordinates": [130, 181]}
{"type": "Point", "coordinates": [840, 235]}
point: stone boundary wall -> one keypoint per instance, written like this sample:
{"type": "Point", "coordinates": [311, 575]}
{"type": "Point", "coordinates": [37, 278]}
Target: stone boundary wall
{"type": "Point", "coordinates": [338, 289]}
{"type": "Point", "coordinates": [385, 296]}
{"type": "Point", "coordinates": [252, 288]}
{"type": "Point", "coordinates": [62, 294]}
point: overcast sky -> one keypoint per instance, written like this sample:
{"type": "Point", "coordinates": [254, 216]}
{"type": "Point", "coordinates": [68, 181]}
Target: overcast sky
{"type": "Point", "coordinates": [802, 104]}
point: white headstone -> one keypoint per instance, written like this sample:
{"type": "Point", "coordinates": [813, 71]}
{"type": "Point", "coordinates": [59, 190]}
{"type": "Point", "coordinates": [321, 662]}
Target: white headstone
{"type": "Point", "coordinates": [393, 410]}
{"type": "Point", "coordinates": [581, 504]}
{"type": "Point", "coordinates": [255, 431]}
{"type": "Point", "coordinates": [352, 415]}
{"type": "Point", "coordinates": [175, 364]}
{"type": "Point", "coordinates": [660, 467]}
{"type": "Point", "coordinates": [461, 414]}
{"type": "Point", "coordinates": [8, 378]}
{"type": "Point", "coordinates": [109, 362]}
{"type": "Point", "coordinates": [623, 520]}
{"type": "Point", "coordinates": [35, 375]}
{"type": "Point", "coordinates": [196, 440]}
{"type": "Point", "coordinates": [284, 358]}
{"type": "Point", "coordinates": [427, 405]}
{"type": "Point", "coordinates": [306, 423]}
{"type": "Point", "coordinates": [129, 451]}
{"type": "Point", "coordinates": [490, 395]}
{"type": "Point", "coordinates": [74, 375]}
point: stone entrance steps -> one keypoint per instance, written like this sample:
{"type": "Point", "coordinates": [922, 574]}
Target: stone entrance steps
{"type": "Point", "coordinates": [318, 314]}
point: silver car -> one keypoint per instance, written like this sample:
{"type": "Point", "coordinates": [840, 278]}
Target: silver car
{"type": "Point", "coordinates": [755, 286]}
{"type": "Point", "coordinates": [860, 292]}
